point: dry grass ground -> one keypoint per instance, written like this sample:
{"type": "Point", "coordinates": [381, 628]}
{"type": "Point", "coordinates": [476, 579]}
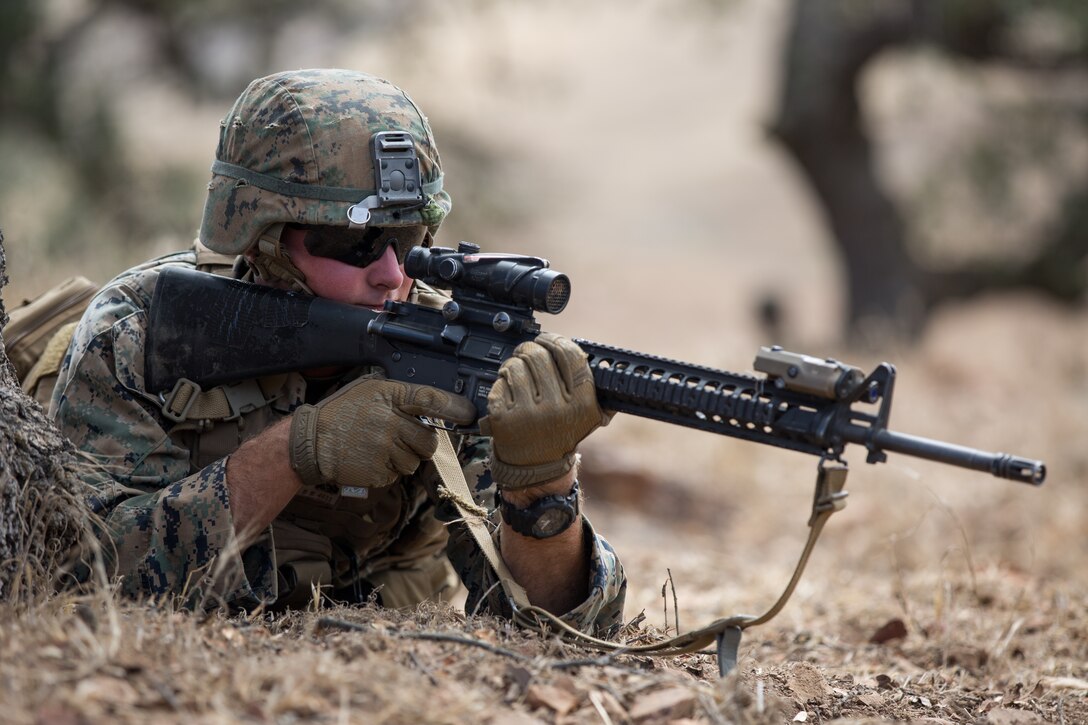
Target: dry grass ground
{"type": "Point", "coordinates": [73, 662]}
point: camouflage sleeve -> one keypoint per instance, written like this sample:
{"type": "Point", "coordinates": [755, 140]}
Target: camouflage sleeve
{"type": "Point", "coordinates": [602, 611]}
{"type": "Point", "coordinates": [166, 531]}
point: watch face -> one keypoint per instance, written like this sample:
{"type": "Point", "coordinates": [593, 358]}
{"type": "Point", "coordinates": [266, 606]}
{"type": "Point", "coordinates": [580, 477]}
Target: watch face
{"type": "Point", "coordinates": [552, 521]}
{"type": "Point", "coordinates": [546, 517]}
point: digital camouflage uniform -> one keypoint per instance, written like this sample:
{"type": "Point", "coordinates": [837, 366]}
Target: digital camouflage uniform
{"type": "Point", "coordinates": [161, 484]}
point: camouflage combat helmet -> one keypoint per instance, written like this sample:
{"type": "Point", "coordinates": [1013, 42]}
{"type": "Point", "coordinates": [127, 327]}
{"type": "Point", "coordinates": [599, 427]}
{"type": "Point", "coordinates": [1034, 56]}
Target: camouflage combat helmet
{"type": "Point", "coordinates": [300, 147]}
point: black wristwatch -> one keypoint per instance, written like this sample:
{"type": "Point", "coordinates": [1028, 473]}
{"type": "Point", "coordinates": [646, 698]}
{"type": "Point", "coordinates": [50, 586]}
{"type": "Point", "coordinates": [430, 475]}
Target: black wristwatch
{"type": "Point", "coordinates": [544, 518]}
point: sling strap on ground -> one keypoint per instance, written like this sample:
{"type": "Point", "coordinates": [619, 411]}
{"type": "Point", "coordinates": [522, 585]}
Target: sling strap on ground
{"type": "Point", "coordinates": [828, 498]}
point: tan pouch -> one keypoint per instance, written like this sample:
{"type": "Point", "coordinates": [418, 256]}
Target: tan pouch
{"type": "Point", "coordinates": [33, 325]}
{"type": "Point", "coordinates": [42, 378]}
{"type": "Point", "coordinates": [430, 578]}
{"type": "Point", "coordinates": [414, 568]}
{"type": "Point", "coordinates": [303, 561]}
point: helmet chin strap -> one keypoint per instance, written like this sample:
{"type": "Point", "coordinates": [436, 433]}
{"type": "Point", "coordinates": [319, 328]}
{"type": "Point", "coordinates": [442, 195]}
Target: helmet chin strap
{"type": "Point", "coordinates": [272, 263]}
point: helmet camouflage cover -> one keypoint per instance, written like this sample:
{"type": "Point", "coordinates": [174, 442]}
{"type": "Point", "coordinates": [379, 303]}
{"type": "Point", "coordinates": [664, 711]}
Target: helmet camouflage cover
{"type": "Point", "coordinates": [297, 148]}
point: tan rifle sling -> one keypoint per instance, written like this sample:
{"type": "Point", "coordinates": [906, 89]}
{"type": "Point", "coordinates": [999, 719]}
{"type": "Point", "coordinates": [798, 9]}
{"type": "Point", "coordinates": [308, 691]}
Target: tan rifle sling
{"type": "Point", "coordinates": [475, 518]}
{"type": "Point", "coordinates": [829, 497]}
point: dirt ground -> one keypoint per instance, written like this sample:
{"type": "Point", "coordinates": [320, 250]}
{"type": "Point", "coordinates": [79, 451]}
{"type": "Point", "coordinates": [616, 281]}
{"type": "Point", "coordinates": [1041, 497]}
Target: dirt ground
{"type": "Point", "coordinates": [938, 595]}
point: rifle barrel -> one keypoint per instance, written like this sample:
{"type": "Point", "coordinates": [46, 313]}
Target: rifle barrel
{"type": "Point", "coordinates": [1001, 465]}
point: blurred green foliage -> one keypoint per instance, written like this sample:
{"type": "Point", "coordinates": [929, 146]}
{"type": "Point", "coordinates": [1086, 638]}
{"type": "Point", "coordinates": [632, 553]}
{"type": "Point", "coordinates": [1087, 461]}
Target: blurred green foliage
{"type": "Point", "coordinates": [67, 69]}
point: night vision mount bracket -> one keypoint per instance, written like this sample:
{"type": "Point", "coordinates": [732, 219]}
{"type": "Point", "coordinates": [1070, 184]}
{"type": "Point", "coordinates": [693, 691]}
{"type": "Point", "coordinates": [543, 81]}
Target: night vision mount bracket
{"type": "Point", "coordinates": [396, 175]}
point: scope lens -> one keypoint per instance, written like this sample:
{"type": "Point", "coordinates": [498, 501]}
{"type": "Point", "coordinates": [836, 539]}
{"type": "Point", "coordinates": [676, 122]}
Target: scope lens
{"type": "Point", "coordinates": [558, 295]}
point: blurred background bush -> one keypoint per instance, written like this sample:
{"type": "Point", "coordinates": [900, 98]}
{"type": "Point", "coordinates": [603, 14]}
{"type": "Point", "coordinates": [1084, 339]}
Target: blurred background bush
{"type": "Point", "coordinates": [828, 168]}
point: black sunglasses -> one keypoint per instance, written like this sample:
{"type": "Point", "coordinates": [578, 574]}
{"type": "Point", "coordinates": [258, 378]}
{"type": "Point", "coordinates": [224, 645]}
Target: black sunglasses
{"type": "Point", "coordinates": [361, 247]}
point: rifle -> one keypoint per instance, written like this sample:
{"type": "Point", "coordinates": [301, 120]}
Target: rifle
{"type": "Point", "coordinates": [211, 330]}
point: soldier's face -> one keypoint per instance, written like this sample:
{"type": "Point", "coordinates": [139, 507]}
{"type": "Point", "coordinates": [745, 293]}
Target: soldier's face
{"type": "Point", "coordinates": [368, 286]}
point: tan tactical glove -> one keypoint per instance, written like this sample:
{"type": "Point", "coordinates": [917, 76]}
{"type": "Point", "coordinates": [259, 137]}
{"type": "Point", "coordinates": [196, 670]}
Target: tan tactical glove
{"type": "Point", "coordinates": [368, 434]}
{"type": "Point", "coordinates": [541, 407]}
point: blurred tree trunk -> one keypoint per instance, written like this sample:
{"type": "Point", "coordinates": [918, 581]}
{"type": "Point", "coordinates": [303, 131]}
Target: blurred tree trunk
{"type": "Point", "coordinates": [821, 123]}
{"type": "Point", "coordinates": [42, 517]}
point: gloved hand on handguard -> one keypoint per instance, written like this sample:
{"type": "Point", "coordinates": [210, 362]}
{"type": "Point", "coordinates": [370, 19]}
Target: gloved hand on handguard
{"type": "Point", "coordinates": [540, 408]}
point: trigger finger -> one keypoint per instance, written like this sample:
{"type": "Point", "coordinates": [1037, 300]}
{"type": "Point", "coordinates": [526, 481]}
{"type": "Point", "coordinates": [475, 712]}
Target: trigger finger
{"type": "Point", "coordinates": [422, 400]}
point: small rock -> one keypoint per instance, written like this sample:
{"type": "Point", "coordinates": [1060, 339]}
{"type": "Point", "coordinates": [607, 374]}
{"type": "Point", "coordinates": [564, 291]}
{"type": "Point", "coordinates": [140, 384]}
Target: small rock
{"type": "Point", "coordinates": [806, 682]}
{"type": "Point", "coordinates": [668, 704]}
{"type": "Point", "coordinates": [892, 629]}
{"type": "Point", "coordinates": [551, 697]}
{"type": "Point", "coordinates": [872, 699]}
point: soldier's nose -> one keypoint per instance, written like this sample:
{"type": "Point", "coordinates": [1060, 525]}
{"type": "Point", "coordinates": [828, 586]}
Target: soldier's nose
{"type": "Point", "coordinates": [386, 271]}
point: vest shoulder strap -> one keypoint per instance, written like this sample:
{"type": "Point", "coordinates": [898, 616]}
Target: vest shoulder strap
{"type": "Point", "coordinates": [188, 401]}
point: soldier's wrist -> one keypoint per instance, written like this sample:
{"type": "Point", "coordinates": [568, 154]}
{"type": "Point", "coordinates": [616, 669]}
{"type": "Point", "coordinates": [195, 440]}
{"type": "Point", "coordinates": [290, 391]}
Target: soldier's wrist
{"type": "Point", "coordinates": [524, 496]}
{"type": "Point", "coordinates": [515, 477]}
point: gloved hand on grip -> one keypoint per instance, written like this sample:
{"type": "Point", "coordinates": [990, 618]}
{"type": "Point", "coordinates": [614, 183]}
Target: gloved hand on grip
{"type": "Point", "coordinates": [369, 433]}
{"type": "Point", "coordinates": [538, 411]}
